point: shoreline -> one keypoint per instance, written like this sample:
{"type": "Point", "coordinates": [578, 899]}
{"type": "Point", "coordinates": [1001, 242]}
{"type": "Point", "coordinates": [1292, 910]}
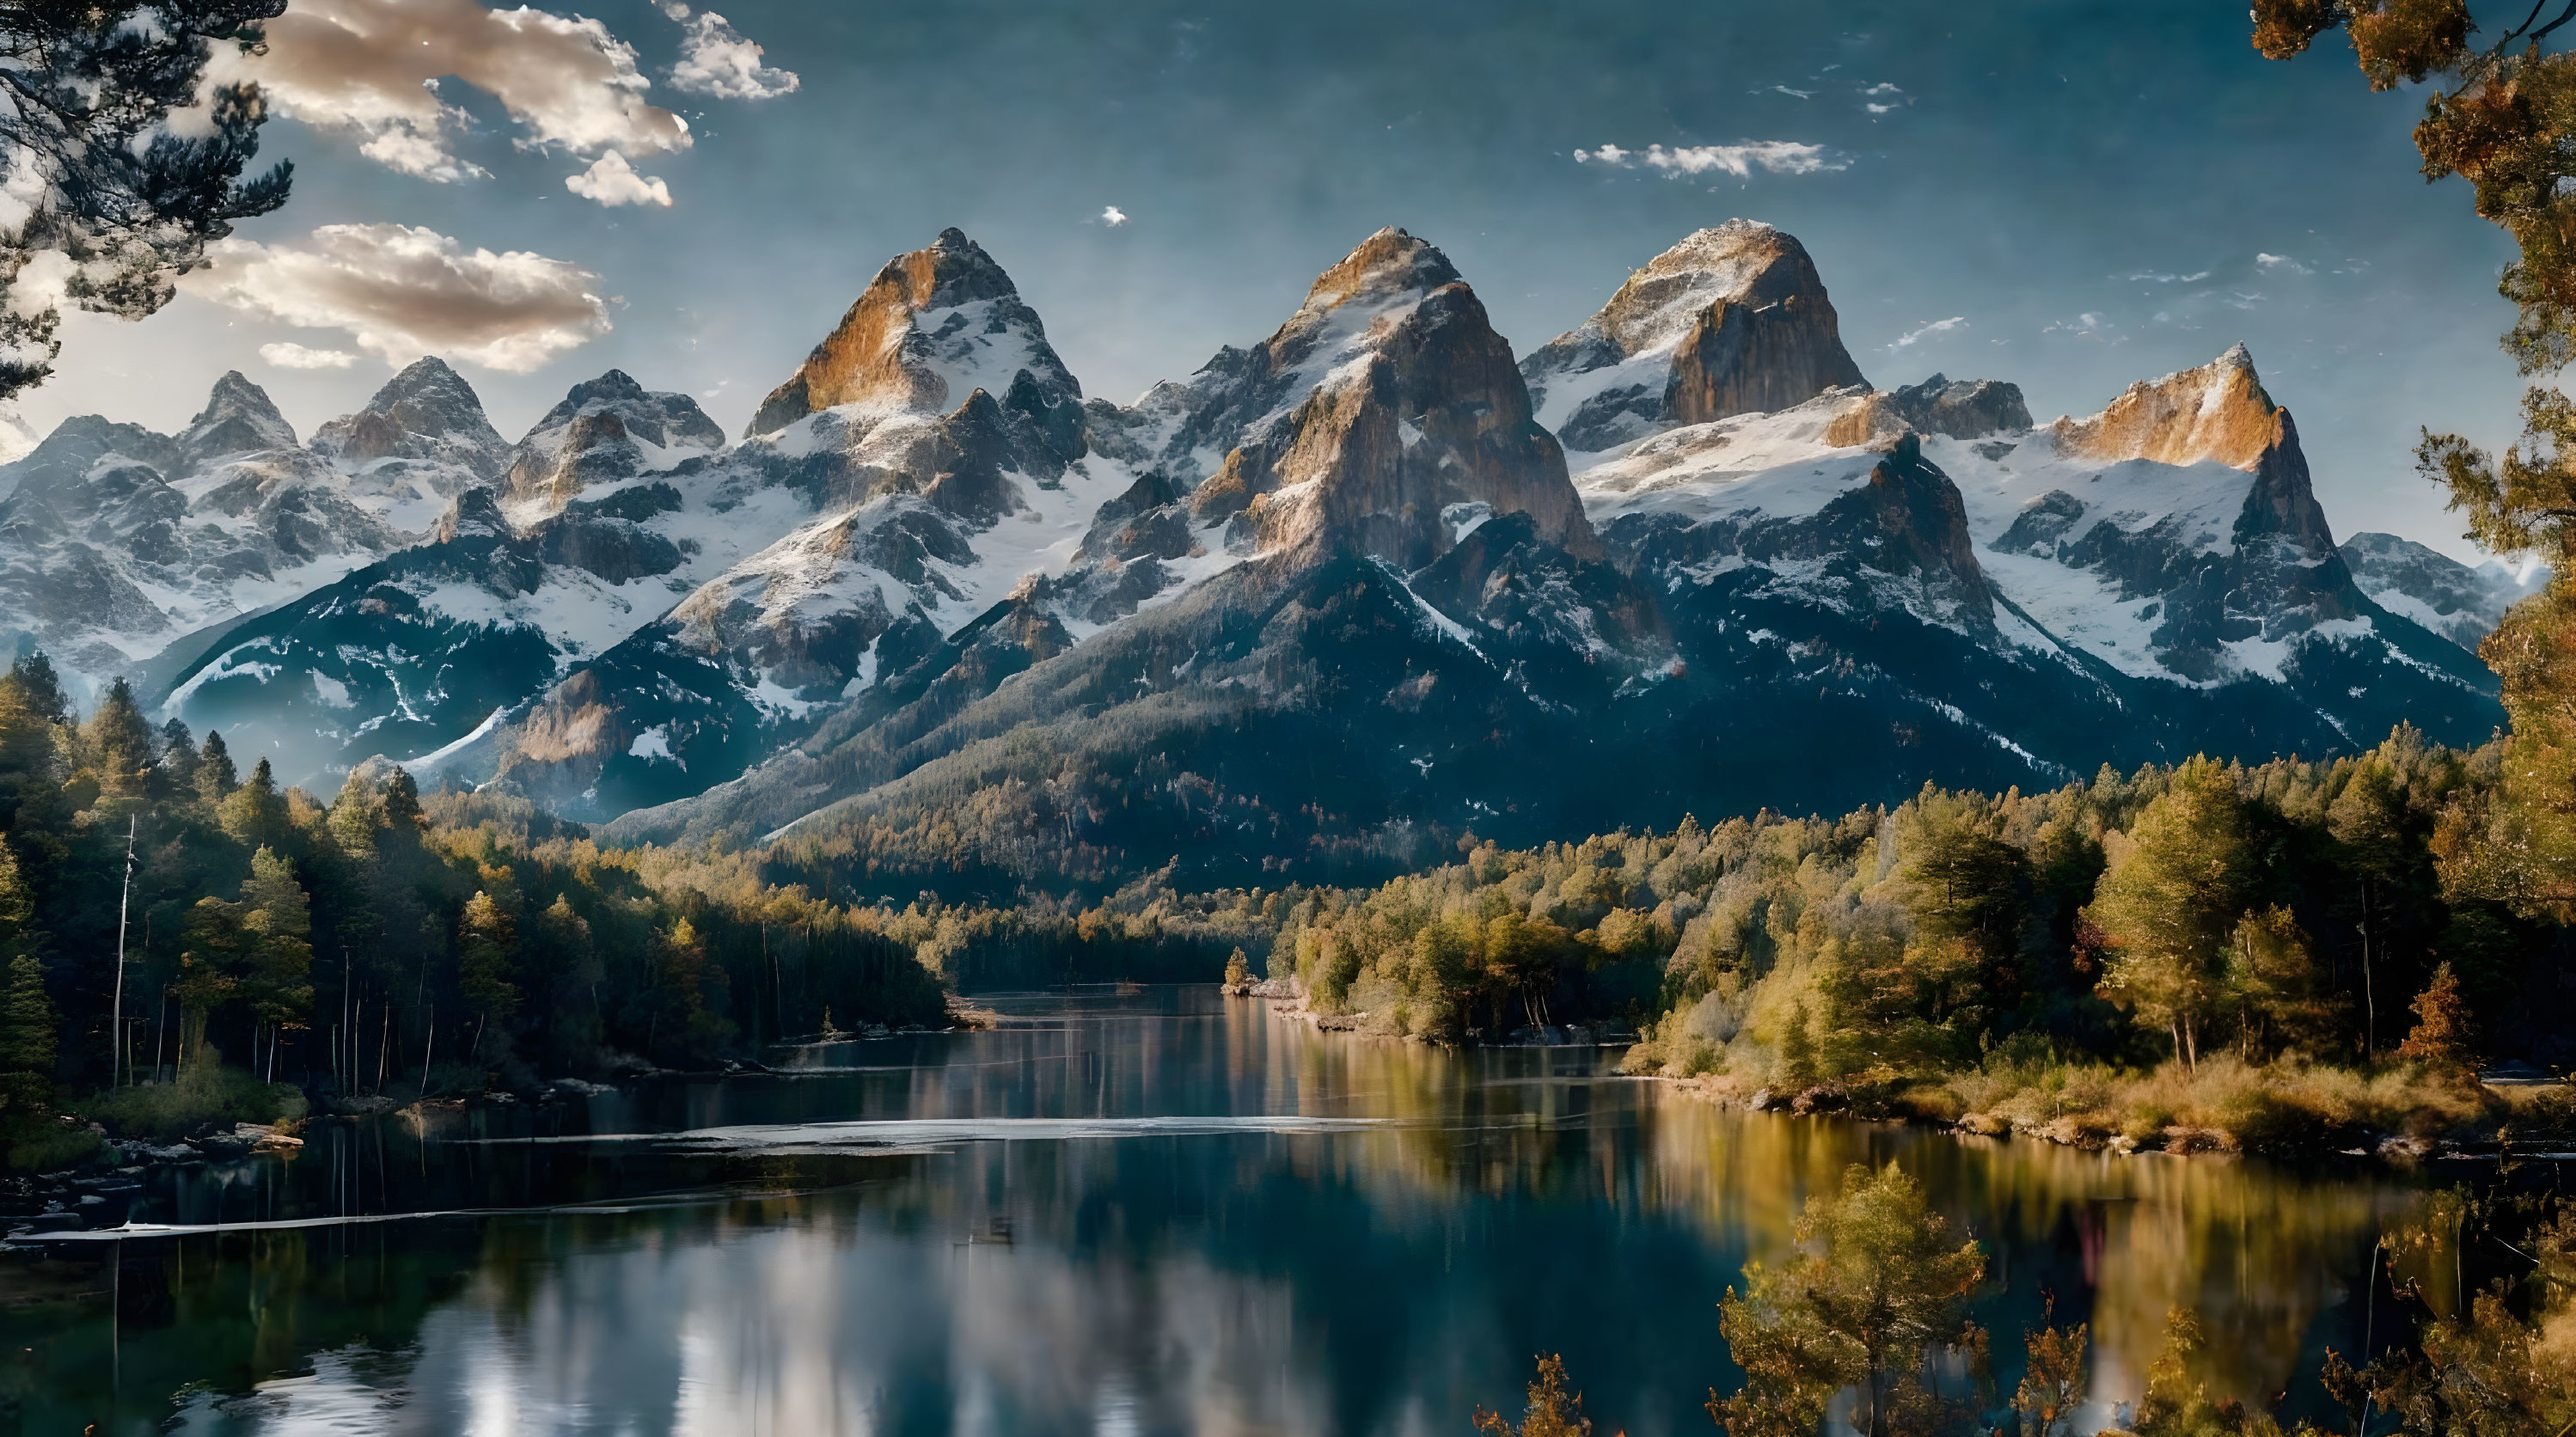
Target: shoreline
{"type": "Point", "coordinates": [2082, 1132]}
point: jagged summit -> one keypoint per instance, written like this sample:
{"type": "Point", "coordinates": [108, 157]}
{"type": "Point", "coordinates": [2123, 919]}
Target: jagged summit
{"type": "Point", "coordinates": [2216, 411]}
{"type": "Point", "coordinates": [1385, 401]}
{"type": "Point", "coordinates": [239, 418]}
{"type": "Point", "coordinates": [932, 327]}
{"type": "Point", "coordinates": [1388, 263]}
{"type": "Point", "coordinates": [427, 412]}
{"type": "Point", "coordinates": [607, 429]}
{"type": "Point", "coordinates": [1733, 320]}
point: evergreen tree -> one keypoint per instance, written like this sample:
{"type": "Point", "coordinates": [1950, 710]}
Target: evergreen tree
{"type": "Point", "coordinates": [2169, 909]}
{"type": "Point", "coordinates": [2280, 991]}
{"type": "Point", "coordinates": [109, 184]}
{"type": "Point", "coordinates": [34, 676]}
{"type": "Point", "coordinates": [255, 813]}
{"type": "Point", "coordinates": [277, 928]}
{"type": "Point", "coordinates": [216, 778]}
{"type": "Point", "coordinates": [118, 746]}
{"type": "Point", "coordinates": [178, 761]}
{"type": "Point", "coordinates": [1876, 1287]}
{"type": "Point", "coordinates": [487, 945]}
{"type": "Point", "coordinates": [1551, 1411]}
{"type": "Point", "coordinates": [27, 1041]}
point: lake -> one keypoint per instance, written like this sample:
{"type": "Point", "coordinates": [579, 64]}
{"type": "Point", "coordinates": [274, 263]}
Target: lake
{"type": "Point", "coordinates": [1122, 1211]}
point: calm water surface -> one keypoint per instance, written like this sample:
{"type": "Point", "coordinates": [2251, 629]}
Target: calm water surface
{"type": "Point", "coordinates": [1154, 1211]}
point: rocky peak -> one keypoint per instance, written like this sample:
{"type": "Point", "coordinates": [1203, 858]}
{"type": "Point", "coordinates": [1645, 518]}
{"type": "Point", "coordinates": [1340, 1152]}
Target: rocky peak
{"type": "Point", "coordinates": [606, 428]}
{"type": "Point", "coordinates": [427, 412]}
{"type": "Point", "coordinates": [1733, 320]}
{"type": "Point", "coordinates": [1962, 408]}
{"type": "Point", "coordinates": [1388, 398]}
{"type": "Point", "coordinates": [238, 419]}
{"type": "Point", "coordinates": [2215, 412]}
{"type": "Point", "coordinates": [1388, 264]}
{"type": "Point", "coordinates": [932, 327]}
{"type": "Point", "coordinates": [476, 513]}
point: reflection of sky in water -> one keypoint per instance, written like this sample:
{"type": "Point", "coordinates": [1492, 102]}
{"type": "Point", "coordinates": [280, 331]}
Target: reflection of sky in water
{"type": "Point", "coordinates": [1151, 1251]}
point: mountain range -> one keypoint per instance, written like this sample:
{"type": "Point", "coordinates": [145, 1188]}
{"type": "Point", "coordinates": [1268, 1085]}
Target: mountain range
{"type": "Point", "coordinates": [1334, 601]}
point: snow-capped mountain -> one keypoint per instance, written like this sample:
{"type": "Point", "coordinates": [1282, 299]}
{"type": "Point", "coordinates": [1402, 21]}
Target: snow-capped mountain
{"type": "Point", "coordinates": [1366, 582]}
{"type": "Point", "coordinates": [539, 556]}
{"type": "Point", "coordinates": [2460, 603]}
{"type": "Point", "coordinates": [1781, 585]}
{"type": "Point", "coordinates": [118, 545]}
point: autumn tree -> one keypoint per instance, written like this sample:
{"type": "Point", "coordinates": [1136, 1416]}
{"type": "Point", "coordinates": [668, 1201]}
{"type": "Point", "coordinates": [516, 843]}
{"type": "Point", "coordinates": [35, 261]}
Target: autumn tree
{"type": "Point", "coordinates": [1876, 1286]}
{"type": "Point", "coordinates": [2500, 114]}
{"type": "Point", "coordinates": [2440, 1040]}
{"type": "Point", "coordinates": [2168, 910]}
{"type": "Point", "coordinates": [2054, 1379]}
{"type": "Point", "coordinates": [1551, 1411]}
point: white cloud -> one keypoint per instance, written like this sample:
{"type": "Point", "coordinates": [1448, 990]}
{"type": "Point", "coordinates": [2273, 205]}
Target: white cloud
{"type": "Point", "coordinates": [1881, 88]}
{"type": "Point", "coordinates": [718, 62]}
{"type": "Point", "coordinates": [1938, 326]}
{"type": "Point", "coordinates": [1878, 109]}
{"type": "Point", "coordinates": [1113, 217]}
{"type": "Point", "coordinates": [2279, 261]}
{"type": "Point", "coordinates": [374, 67]}
{"type": "Point", "coordinates": [402, 292]}
{"type": "Point", "coordinates": [610, 180]}
{"type": "Point", "coordinates": [1792, 94]}
{"type": "Point", "coordinates": [2151, 277]}
{"type": "Point", "coordinates": [296, 356]}
{"type": "Point", "coordinates": [1779, 157]}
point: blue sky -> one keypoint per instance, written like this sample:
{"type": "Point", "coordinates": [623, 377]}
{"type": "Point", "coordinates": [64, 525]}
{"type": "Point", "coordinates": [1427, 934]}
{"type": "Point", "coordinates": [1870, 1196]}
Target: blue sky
{"type": "Point", "coordinates": [2069, 196]}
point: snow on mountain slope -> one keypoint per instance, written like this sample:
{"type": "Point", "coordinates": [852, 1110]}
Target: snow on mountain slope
{"type": "Point", "coordinates": [116, 542]}
{"type": "Point", "coordinates": [2460, 603]}
{"type": "Point", "coordinates": [2172, 539]}
{"type": "Point", "coordinates": [1732, 320]}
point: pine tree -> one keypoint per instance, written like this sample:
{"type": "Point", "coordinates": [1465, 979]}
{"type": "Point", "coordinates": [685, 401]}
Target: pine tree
{"type": "Point", "coordinates": [487, 944]}
{"type": "Point", "coordinates": [277, 925]}
{"type": "Point", "coordinates": [27, 1041]}
{"type": "Point", "coordinates": [35, 678]}
{"type": "Point", "coordinates": [1875, 1287]}
{"type": "Point", "coordinates": [256, 811]}
{"type": "Point", "coordinates": [128, 200]}
{"type": "Point", "coordinates": [119, 745]}
{"type": "Point", "coordinates": [216, 778]}
{"type": "Point", "coordinates": [178, 761]}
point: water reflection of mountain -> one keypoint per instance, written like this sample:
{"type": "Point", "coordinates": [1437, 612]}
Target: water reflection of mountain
{"type": "Point", "coordinates": [1365, 1281]}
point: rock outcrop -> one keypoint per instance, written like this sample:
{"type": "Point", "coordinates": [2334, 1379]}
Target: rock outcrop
{"type": "Point", "coordinates": [1962, 408]}
{"type": "Point", "coordinates": [2217, 411]}
{"type": "Point", "coordinates": [606, 429]}
{"type": "Point", "coordinates": [1384, 402]}
{"type": "Point", "coordinates": [933, 326]}
{"type": "Point", "coordinates": [238, 418]}
{"type": "Point", "coordinates": [427, 414]}
{"type": "Point", "coordinates": [1733, 320]}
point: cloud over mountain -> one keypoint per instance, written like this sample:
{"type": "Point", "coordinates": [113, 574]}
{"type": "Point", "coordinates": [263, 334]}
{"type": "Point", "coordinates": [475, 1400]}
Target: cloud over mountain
{"type": "Point", "coordinates": [402, 292]}
{"type": "Point", "coordinates": [375, 66]}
